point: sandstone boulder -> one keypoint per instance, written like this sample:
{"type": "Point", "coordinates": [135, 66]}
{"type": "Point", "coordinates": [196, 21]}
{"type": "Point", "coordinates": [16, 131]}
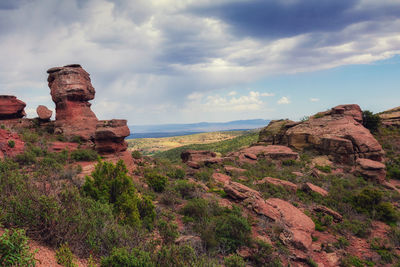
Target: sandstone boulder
{"type": "Point", "coordinates": [278, 182]}
{"type": "Point", "coordinates": [71, 89]}
{"type": "Point", "coordinates": [221, 178]}
{"type": "Point", "coordinates": [316, 189]}
{"type": "Point", "coordinates": [110, 136]}
{"type": "Point", "coordinates": [231, 169]}
{"type": "Point", "coordinates": [337, 133]}
{"type": "Point", "coordinates": [11, 107]}
{"type": "Point", "coordinates": [336, 216]}
{"type": "Point", "coordinates": [297, 226]}
{"type": "Point", "coordinates": [371, 169]}
{"type": "Point", "coordinates": [44, 113]}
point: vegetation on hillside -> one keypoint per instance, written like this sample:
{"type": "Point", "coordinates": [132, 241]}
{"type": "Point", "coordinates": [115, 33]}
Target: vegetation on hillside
{"type": "Point", "coordinates": [151, 146]}
{"type": "Point", "coordinates": [223, 147]}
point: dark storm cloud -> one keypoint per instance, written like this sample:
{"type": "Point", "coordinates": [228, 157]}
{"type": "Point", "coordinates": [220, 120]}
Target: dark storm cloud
{"type": "Point", "coordinates": [277, 18]}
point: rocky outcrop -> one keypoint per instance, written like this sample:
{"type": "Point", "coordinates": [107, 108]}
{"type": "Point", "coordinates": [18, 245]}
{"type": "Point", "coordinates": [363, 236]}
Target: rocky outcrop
{"type": "Point", "coordinates": [11, 107]}
{"type": "Point", "coordinates": [391, 117]}
{"type": "Point", "coordinates": [335, 215]}
{"type": "Point", "coordinates": [44, 113]}
{"type": "Point", "coordinates": [316, 189]}
{"type": "Point", "coordinates": [232, 170]}
{"type": "Point", "coordinates": [271, 152]}
{"type": "Point", "coordinates": [196, 158]}
{"type": "Point", "coordinates": [278, 182]}
{"type": "Point", "coordinates": [371, 169]}
{"type": "Point", "coordinates": [71, 91]}
{"type": "Point", "coordinates": [110, 136]}
{"type": "Point", "coordinates": [337, 133]}
{"type": "Point", "coordinates": [297, 226]}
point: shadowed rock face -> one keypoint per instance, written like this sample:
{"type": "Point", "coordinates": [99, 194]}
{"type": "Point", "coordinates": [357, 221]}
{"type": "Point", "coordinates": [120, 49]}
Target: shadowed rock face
{"type": "Point", "coordinates": [110, 136]}
{"type": "Point", "coordinates": [338, 133]}
{"type": "Point", "coordinates": [11, 107]}
{"type": "Point", "coordinates": [71, 89]}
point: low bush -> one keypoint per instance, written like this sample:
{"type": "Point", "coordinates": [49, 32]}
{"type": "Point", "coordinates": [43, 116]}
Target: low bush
{"type": "Point", "coordinates": [111, 184]}
{"type": "Point", "coordinates": [65, 257]}
{"type": "Point", "coordinates": [156, 181]}
{"type": "Point", "coordinates": [185, 188]}
{"type": "Point", "coordinates": [371, 121]}
{"type": "Point", "coordinates": [136, 154]}
{"type": "Point", "coordinates": [326, 169]}
{"type": "Point", "coordinates": [234, 261]}
{"type": "Point", "coordinates": [168, 231]}
{"type": "Point", "coordinates": [122, 257]}
{"type": "Point", "coordinates": [84, 155]}
{"type": "Point", "coordinates": [14, 249]}
{"type": "Point", "coordinates": [176, 173]}
{"type": "Point", "coordinates": [11, 143]}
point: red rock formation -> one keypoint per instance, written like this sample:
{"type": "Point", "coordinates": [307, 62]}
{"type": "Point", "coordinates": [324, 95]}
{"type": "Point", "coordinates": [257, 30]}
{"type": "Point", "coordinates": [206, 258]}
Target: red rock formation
{"type": "Point", "coordinates": [71, 89]}
{"type": "Point", "coordinates": [11, 107]}
{"type": "Point", "coordinates": [195, 158]}
{"type": "Point", "coordinates": [297, 226]}
{"type": "Point", "coordinates": [337, 133]}
{"type": "Point", "coordinates": [371, 169]}
{"type": "Point", "coordinates": [110, 136]}
{"type": "Point", "coordinates": [44, 113]}
{"type": "Point", "coordinates": [391, 117]}
{"type": "Point", "coordinates": [316, 189]}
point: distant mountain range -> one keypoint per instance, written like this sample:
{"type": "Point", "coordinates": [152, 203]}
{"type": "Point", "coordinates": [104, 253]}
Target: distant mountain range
{"type": "Point", "coordinates": [166, 130]}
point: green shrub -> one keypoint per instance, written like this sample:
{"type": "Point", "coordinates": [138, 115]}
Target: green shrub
{"type": "Point", "coordinates": [121, 257]}
{"type": "Point", "coordinates": [2, 126]}
{"type": "Point", "coordinates": [326, 169]}
{"type": "Point", "coordinates": [110, 183]}
{"type": "Point", "coordinates": [14, 249]}
{"type": "Point", "coordinates": [65, 257]}
{"type": "Point", "coordinates": [264, 254]}
{"type": "Point", "coordinates": [156, 181]}
{"type": "Point", "coordinates": [234, 261]}
{"type": "Point", "coordinates": [196, 208]}
{"type": "Point", "coordinates": [359, 228]}
{"type": "Point", "coordinates": [176, 173]}
{"type": "Point", "coordinates": [147, 211]}
{"type": "Point", "coordinates": [371, 121]}
{"type": "Point", "coordinates": [136, 154]}
{"type": "Point", "coordinates": [168, 231]}
{"type": "Point", "coordinates": [11, 143]}
{"type": "Point", "coordinates": [350, 260]}
{"type": "Point", "coordinates": [185, 188]}
{"type": "Point", "coordinates": [204, 175]}
{"type": "Point", "coordinates": [341, 243]}
{"type": "Point", "coordinates": [84, 155]}
{"type": "Point", "coordinates": [181, 256]}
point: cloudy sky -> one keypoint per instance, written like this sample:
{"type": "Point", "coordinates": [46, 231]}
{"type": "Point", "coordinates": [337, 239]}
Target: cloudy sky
{"type": "Point", "coordinates": [180, 61]}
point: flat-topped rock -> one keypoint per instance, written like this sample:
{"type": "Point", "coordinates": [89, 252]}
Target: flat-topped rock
{"type": "Point", "coordinates": [220, 177]}
{"type": "Point", "coordinates": [11, 107]}
{"type": "Point", "coordinates": [391, 117]}
{"type": "Point", "coordinates": [371, 169]}
{"type": "Point", "coordinates": [272, 152]}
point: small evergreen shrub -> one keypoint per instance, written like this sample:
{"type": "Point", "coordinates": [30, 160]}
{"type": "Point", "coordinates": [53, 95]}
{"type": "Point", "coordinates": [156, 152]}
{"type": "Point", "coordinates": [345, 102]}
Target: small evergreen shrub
{"type": "Point", "coordinates": [234, 260]}
{"type": "Point", "coordinates": [14, 249]}
{"type": "Point", "coordinates": [122, 257]}
{"type": "Point", "coordinates": [65, 257]}
{"type": "Point", "coordinates": [136, 154]}
{"type": "Point", "coordinates": [168, 231]}
{"type": "Point", "coordinates": [11, 143]}
{"type": "Point", "coordinates": [176, 173]}
{"type": "Point", "coordinates": [84, 155]}
{"type": "Point", "coordinates": [110, 183]}
{"type": "Point", "coordinates": [156, 181]}
{"type": "Point", "coordinates": [371, 121]}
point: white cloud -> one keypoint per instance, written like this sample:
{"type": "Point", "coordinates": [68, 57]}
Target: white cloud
{"type": "Point", "coordinates": [232, 93]}
{"type": "Point", "coordinates": [283, 100]}
{"type": "Point", "coordinates": [314, 99]}
{"type": "Point", "coordinates": [267, 94]}
{"type": "Point", "coordinates": [195, 96]}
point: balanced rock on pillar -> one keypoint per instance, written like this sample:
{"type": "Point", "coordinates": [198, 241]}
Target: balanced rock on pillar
{"type": "Point", "coordinates": [71, 89]}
